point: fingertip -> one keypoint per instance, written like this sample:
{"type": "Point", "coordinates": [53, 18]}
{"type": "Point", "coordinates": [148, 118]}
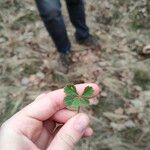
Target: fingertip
{"type": "Point", "coordinates": [81, 87]}
{"type": "Point", "coordinates": [88, 132]}
{"type": "Point", "coordinates": [71, 132]}
{"type": "Point", "coordinates": [81, 122]}
{"type": "Point", "coordinates": [83, 116]}
{"type": "Point", "coordinates": [97, 88]}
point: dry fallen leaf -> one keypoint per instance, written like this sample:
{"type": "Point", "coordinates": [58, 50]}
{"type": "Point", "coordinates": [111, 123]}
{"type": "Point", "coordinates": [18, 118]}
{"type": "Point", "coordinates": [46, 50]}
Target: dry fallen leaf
{"type": "Point", "coordinates": [119, 111]}
{"type": "Point", "coordinates": [114, 117]}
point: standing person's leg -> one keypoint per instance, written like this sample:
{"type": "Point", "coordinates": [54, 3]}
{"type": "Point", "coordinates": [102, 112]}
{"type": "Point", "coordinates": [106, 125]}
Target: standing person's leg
{"type": "Point", "coordinates": [77, 16]}
{"type": "Point", "coordinates": [50, 12]}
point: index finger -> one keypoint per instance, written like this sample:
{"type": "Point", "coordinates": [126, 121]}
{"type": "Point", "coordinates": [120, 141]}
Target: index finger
{"type": "Point", "coordinates": [48, 104]}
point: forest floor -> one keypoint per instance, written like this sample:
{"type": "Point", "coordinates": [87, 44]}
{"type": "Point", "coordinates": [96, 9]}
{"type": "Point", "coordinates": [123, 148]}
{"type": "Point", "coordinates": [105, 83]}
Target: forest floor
{"type": "Point", "coordinates": [121, 115]}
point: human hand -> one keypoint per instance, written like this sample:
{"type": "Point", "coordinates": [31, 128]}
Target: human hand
{"type": "Point", "coordinates": [34, 127]}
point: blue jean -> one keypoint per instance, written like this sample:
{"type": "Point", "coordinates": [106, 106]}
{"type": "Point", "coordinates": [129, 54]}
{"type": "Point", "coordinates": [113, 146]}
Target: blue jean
{"type": "Point", "coordinates": [50, 12]}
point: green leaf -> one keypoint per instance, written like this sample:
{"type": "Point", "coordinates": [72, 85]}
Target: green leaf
{"type": "Point", "coordinates": [84, 102]}
{"type": "Point", "coordinates": [88, 91]}
{"type": "Point", "coordinates": [73, 99]}
{"type": "Point", "coordinates": [70, 89]}
{"type": "Point", "coordinates": [68, 100]}
{"type": "Point", "coordinates": [76, 102]}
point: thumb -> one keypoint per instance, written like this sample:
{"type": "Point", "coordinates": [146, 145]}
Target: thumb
{"type": "Point", "coordinates": [70, 133]}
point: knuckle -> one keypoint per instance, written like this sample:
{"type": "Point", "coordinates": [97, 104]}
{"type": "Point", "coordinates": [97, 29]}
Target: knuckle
{"type": "Point", "coordinates": [57, 105]}
{"type": "Point", "coordinates": [40, 96]}
{"type": "Point", "coordinates": [5, 127]}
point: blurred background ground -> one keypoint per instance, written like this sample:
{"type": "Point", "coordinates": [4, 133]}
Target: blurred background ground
{"type": "Point", "coordinates": [121, 119]}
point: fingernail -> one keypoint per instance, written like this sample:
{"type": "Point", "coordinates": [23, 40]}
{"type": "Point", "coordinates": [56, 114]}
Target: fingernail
{"type": "Point", "coordinates": [81, 123]}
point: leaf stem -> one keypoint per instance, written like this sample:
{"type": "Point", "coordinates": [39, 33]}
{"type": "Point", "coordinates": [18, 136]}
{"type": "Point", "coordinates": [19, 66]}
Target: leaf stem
{"type": "Point", "coordinates": [78, 109]}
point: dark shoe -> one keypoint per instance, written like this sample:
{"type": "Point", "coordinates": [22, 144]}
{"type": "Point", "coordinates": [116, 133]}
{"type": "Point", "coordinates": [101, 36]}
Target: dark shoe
{"type": "Point", "coordinates": [91, 41]}
{"type": "Point", "coordinates": [64, 62]}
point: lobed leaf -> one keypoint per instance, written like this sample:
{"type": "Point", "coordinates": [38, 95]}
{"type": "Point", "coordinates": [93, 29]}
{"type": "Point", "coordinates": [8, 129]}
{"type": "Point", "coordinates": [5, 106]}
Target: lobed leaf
{"type": "Point", "coordinates": [88, 91]}
{"type": "Point", "coordinates": [70, 89]}
{"type": "Point", "coordinates": [84, 102]}
{"type": "Point", "coordinates": [68, 100]}
{"type": "Point", "coordinates": [73, 99]}
{"type": "Point", "coordinates": [76, 102]}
